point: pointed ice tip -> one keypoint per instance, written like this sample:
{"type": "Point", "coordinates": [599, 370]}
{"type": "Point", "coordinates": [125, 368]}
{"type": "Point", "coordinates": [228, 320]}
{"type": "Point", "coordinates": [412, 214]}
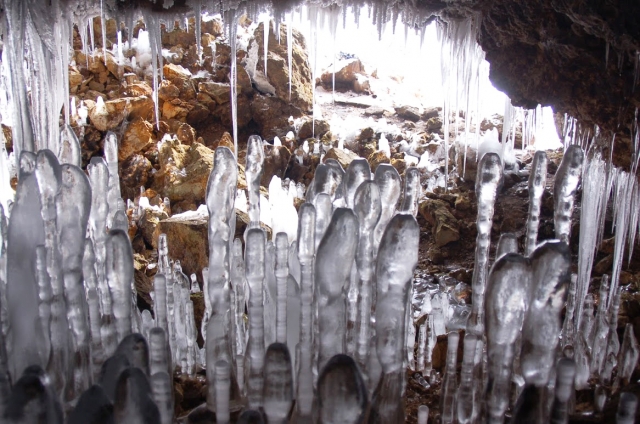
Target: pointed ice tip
{"type": "Point", "coordinates": [574, 155]}
{"type": "Point", "coordinates": [255, 149]}
{"type": "Point", "coordinates": [398, 252]}
{"type": "Point", "coordinates": [342, 394]}
{"type": "Point", "coordinates": [48, 172]}
{"type": "Point", "coordinates": [134, 347]}
{"type": "Point", "coordinates": [306, 231]}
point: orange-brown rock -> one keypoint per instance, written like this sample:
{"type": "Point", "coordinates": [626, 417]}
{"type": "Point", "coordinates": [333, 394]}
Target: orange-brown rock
{"type": "Point", "coordinates": [137, 136]}
{"type": "Point", "coordinates": [445, 227]}
{"type": "Point", "coordinates": [344, 157]}
{"type": "Point", "coordinates": [376, 158]}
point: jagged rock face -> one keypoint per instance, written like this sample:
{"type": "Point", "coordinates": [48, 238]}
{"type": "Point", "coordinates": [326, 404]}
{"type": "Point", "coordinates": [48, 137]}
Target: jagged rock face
{"type": "Point", "coordinates": [555, 52]}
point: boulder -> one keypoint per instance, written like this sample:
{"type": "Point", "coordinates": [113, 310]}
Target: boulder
{"type": "Point", "coordinates": [309, 125]}
{"type": "Point", "coordinates": [276, 162]}
{"type": "Point", "coordinates": [277, 72]}
{"type": "Point", "coordinates": [218, 92]}
{"type": "Point", "coordinates": [445, 227]}
{"type": "Point", "coordinates": [344, 157]}
{"type": "Point", "coordinates": [374, 111]}
{"type": "Point", "coordinates": [148, 225]}
{"type": "Point", "coordinates": [137, 136]}
{"type": "Point", "coordinates": [190, 184]}
{"type": "Point", "coordinates": [376, 158]}
{"type": "Point", "coordinates": [346, 71]}
{"type": "Point", "coordinates": [272, 115]}
{"type": "Point", "coordinates": [135, 172]}
{"type": "Point", "coordinates": [408, 112]}
{"type": "Point", "coordinates": [181, 78]}
{"type": "Point", "coordinates": [430, 112]}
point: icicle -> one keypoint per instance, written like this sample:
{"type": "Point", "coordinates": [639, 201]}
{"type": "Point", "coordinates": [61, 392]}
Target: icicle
{"type": "Point", "coordinates": [266, 26]}
{"type": "Point", "coordinates": [488, 180]}
{"type": "Point", "coordinates": [289, 52]}
{"type": "Point", "coordinates": [537, 182]}
{"type": "Point", "coordinates": [423, 414]}
{"type": "Point", "coordinates": [389, 183]}
{"type": "Point", "coordinates": [111, 157]}
{"type": "Point", "coordinates": [629, 353]}
{"type": "Point", "coordinates": [627, 408]}
{"type": "Point", "coordinates": [198, 19]}
{"type": "Point", "coordinates": [253, 172]}
{"type": "Point", "coordinates": [564, 190]}
{"type": "Point", "coordinates": [231, 20]}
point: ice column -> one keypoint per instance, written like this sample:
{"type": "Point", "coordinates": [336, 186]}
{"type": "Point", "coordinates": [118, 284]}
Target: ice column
{"type": "Point", "coordinates": [550, 264]}
{"type": "Point", "coordinates": [412, 191]}
{"type": "Point", "coordinates": [449, 382]}
{"type": "Point", "coordinates": [282, 278]}
{"type": "Point", "coordinates": [70, 150]}
{"type": "Point", "coordinates": [253, 172]}
{"type": "Point", "coordinates": [254, 357]}
{"type": "Point", "coordinates": [389, 184]}
{"type": "Point", "coordinates": [396, 261]}
{"type": "Point", "coordinates": [537, 182]}
{"type": "Point", "coordinates": [119, 272]}
{"type": "Point", "coordinates": [466, 392]}
{"type": "Point", "coordinates": [507, 301]}
{"type": "Point", "coordinates": [220, 197]}
{"type": "Point", "coordinates": [357, 172]}
{"type": "Point", "coordinates": [488, 180]}
{"type": "Point", "coordinates": [25, 232]}
{"type": "Point", "coordinates": [564, 190]}
{"type": "Point", "coordinates": [73, 206]}
{"type": "Point", "coordinates": [565, 376]}
{"type": "Point", "coordinates": [278, 383]}
{"type": "Point", "coordinates": [306, 251]}
{"type": "Point", "coordinates": [368, 208]}
{"type": "Point", "coordinates": [334, 259]}
{"type": "Point", "coordinates": [342, 394]}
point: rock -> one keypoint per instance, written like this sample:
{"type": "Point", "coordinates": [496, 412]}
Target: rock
{"type": "Point", "coordinates": [344, 157]}
{"type": "Point", "coordinates": [272, 115]}
{"type": "Point", "coordinates": [430, 112]}
{"type": "Point", "coordinates": [361, 84]}
{"type": "Point", "coordinates": [175, 109]}
{"type": "Point", "coordinates": [276, 162]}
{"type": "Point", "coordinates": [140, 89]}
{"type": "Point", "coordinates": [306, 129]}
{"type": "Point", "coordinates": [185, 133]}
{"type": "Point", "coordinates": [190, 233]}
{"type": "Point", "coordinates": [75, 79]}
{"type": "Point", "coordinates": [107, 117]}
{"type": "Point", "coordinates": [434, 124]}
{"type": "Point", "coordinates": [346, 71]}
{"type": "Point", "coordinates": [137, 136]}
{"type": "Point", "coordinates": [143, 283]}
{"type": "Point", "coordinates": [168, 91]}
{"type": "Point", "coordinates": [148, 224]}
{"type": "Point", "coordinates": [376, 158]}
{"type": "Point", "coordinates": [445, 225]}
{"type": "Point", "coordinates": [191, 184]}
{"type": "Point", "coordinates": [134, 172]}
{"type": "Point", "coordinates": [219, 93]}
{"type": "Point", "coordinates": [408, 112]}
{"type": "Point", "coordinates": [181, 78]}
{"type": "Point", "coordinates": [277, 72]}
{"type": "Point", "coordinates": [374, 111]}
{"type": "Point", "coordinates": [400, 165]}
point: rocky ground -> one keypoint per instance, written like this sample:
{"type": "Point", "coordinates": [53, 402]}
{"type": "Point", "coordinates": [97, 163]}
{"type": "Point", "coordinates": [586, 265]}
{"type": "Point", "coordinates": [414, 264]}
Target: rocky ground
{"type": "Point", "coordinates": [169, 162]}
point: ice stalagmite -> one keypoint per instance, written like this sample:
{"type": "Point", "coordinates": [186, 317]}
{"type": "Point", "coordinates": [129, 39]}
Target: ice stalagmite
{"type": "Point", "coordinates": [342, 394]}
{"type": "Point", "coordinates": [367, 207]}
{"type": "Point", "coordinates": [70, 150]}
{"type": "Point", "coordinates": [162, 391]}
{"type": "Point", "coordinates": [389, 184]}
{"type": "Point", "coordinates": [324, 209]}
{"type": "Point", "coordinates": [25, 232]}
{"type": "Point", "coordinates": [253, 172]}
{"type": "Point", "coordinates": [537, 182]}
{"type": "Point", "coordinates": [466, 391]}
{"type": "Point", "coordinates": [111, 157]}
{"type": "Point", "coordinates": [220, 196]}
{"type": "Point", "coordinates": [44, 302]}
{"type": "Point", "coordinates": [92, 407]}
{"type": "Point", "coordinates": [282, 278]}
{"type": "Point", "coordinates": [134, 347]}
{"type": "Point", "coordinates": [278, 383]}
{"type": "Point", "coordinates": [49, 176]}
{"type": "Point", "coordinates": [412, 191]}
{"type": "Point", "coordinates": [254, 358]}
{"type": "Point", "coordinates": [565, 376]}
{"type": "Point", "coordinates": [507, 243]}
{"type": "Point", "coordinates": [357, 172]}
{"type": "Point", "coordinates": [306, 251]}
{"type": "Point", "coordinates": [99, 178]}
{"type": "Point", "coordinates": [550, 275]}
{"type": "Point", "coordinates": [564, 190]}
{"type": "Point", "coordinates": [507, 301]}
{"type": "Point", "coordinates": [600, 329]}
{"type": "Point", "coordinates": [133, 401]}
{"type": "Point", "coordinates": [158, 352]}
{"type": "Point", "coordinates": [629, 353]}
{"type": "Point", "coordinates": [627, 408]}
{"type": "Point", "coordinates": [327, 179]}
{"type": "Point", "coordinates": [449, 382]}
{"type": "Point", "coordinates": [33, 400]}
{"type": "Point", "coordinates": [119, 271]}
{"type": "Point", "coordinates": [396, 261]}
{"type": "Point", "coordinates": [222, 388]}
{"type": "Point", "coordinates": [336, 254]}
{"type": "Point", "coordinates": [239, 300]}
{"type": "Point", "coordinates": [488, 181]}
{"type": "Point", "coordinates": [93, 307]}
{"type": "Point", "coordinates": [73, 206]}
